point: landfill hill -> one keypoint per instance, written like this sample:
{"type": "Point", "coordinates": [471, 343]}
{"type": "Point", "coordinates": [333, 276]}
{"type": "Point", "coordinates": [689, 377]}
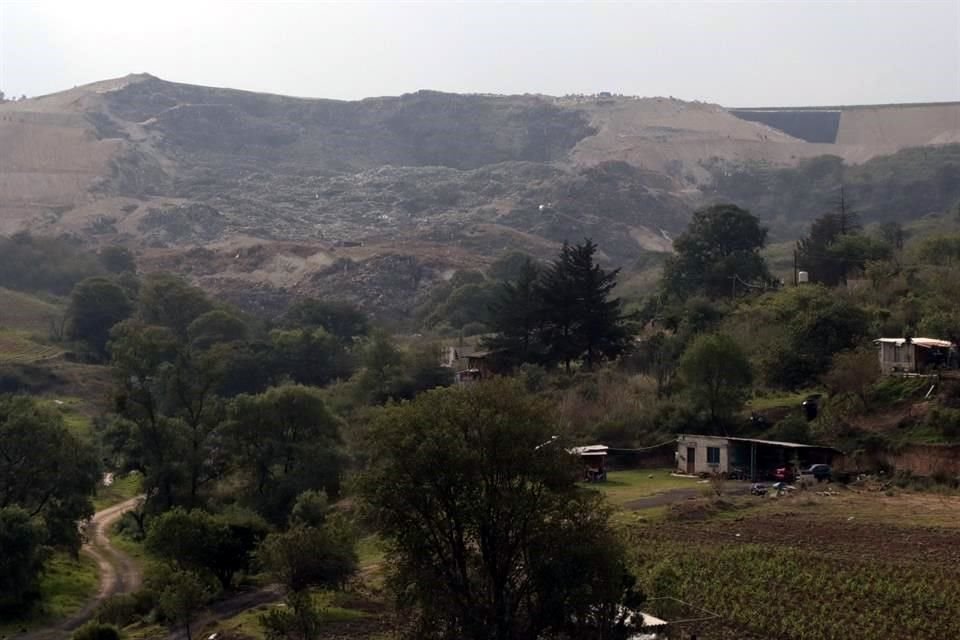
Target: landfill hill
{"type": "Point", "coordinates": [262, 198]}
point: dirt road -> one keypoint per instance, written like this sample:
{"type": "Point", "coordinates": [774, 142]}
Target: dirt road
{"type": "Point", "coordinates": [118, 572]}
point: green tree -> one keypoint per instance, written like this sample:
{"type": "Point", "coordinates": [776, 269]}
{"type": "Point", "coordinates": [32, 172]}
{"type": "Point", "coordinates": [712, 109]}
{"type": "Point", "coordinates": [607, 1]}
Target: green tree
{"type": "Point", "coordinates": [305, 556]}
{"type": "Point", "coordinates": [198, 541]}
{"type": "Point", "coordinates": [717, 375]}
{"type": "Point", "coordinates": [311, 356]}
{"type": "Point", "coordinates": [22, 554]}
{"type": "Point", "coordinates": [215, 327]}
{"type": "Point", "coordinates": [383, 367]}
{"type": "Point", "coordinates": [168, 301]}
{"type": "Point", "coordinates": [340, 319]}
{"type": "Point", "coordinates": [579, 318]}
{"type": "Point", "coordinates": [516, 318]}
{"type": "Point", "coordinates": [45, 470]}
{"type": "Point", "coordinates": [96, 305]}
{"type": "Point", "coordinates": [183, 596]}
{"type": "Point", "coordinates": [118, 259]}
{"type": "Point", "coordinates": [299, 619]}
{"type": "Point", "coordinates": [169, 392]}
{"type": "Point", "coordinates": [853, 372]}
{"type": "Point", "coordinates": [491, 536]}
{"type": "Point", "coordinates": [720, 247]}
{"type": "Point", "coordinates": [284, 442]}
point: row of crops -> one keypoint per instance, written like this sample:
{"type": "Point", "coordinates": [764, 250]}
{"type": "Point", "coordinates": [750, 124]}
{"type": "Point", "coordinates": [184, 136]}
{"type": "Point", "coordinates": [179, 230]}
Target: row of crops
{"type": "Point", "coordinates": [788, 593]}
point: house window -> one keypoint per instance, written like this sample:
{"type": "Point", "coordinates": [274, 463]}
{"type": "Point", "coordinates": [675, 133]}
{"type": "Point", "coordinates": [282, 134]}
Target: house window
{"type": "Point", "coordinates": [713, 455]}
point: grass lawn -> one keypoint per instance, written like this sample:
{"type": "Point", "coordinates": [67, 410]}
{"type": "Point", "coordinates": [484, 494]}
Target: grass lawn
{"type": "Point", "coordinates": [66, 585]}
{"type": "Point", "coordinates": [792, 400]}
{"type": "Point", "coordinates": [123, 488]}
{"type": "Point", "coordinates": [623, 486]}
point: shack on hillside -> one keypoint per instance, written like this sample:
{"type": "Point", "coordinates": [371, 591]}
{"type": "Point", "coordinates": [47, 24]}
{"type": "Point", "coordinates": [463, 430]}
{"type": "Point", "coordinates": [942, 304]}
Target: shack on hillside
{"type": "Point", "coordinates": [916, 355]}
{"type": "Point", "coordinates": [749, 458]}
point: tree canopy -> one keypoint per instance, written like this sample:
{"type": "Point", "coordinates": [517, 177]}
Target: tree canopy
{"type": "Point", "coordinates": [491, 535]}
{"type": "Point", "coordinates": [720, 247]}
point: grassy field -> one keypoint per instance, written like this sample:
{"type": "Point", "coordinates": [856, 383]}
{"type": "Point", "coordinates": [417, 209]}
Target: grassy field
{"type": "Point", "coordinates": [20, 347]}
{"type": "Point", "coordinates": [622, 487]}
{"type": "Point", "coordinates": [66, 586]}
{"type": "Point", "coordinates": [28, 313]}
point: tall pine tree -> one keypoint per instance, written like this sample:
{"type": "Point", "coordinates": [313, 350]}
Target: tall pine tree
{"type": "Point", "coordinates": [561, 314]}
{"type": "Point", "coordinates": [515, 318]}
{"type": "Point", "coordinates": [580, 319]}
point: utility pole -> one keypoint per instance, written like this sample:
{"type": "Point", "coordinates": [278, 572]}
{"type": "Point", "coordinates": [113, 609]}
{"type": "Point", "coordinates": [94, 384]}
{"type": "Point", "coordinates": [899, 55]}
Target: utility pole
{"type": "Point", "coordinates": [796, 272]}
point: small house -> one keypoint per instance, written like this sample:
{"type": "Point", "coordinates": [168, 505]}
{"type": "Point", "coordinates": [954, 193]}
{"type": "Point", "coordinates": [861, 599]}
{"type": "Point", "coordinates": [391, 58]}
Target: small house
{"type": "Point", "coordinates": [594, 459]}
{"type": "Point", "coordinates": [469, 365]}
{"type": "Point", "coordinates": [916, 355]}
{"type": "Point", "coordinates": [749, 458]}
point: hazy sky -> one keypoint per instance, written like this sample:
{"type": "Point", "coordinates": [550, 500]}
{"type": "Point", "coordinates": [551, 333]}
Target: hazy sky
{"type": "Point", "coordinates": [770, 53]}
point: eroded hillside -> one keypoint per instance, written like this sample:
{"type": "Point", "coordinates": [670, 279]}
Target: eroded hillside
{"type": "Point", "coordinates": [264, 197]}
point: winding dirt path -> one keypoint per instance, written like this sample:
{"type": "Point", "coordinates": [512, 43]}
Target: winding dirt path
{"type": "Point", "coordinates": [118, 572]}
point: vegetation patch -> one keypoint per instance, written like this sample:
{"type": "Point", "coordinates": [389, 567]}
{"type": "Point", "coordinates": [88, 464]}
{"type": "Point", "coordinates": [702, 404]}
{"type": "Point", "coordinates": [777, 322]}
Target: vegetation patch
{"type": "Point", "coordinates": [67, 584]}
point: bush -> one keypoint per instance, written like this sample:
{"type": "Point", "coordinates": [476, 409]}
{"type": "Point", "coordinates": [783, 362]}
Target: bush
{"type": "Point", "coordinates": [946, 422]}
{"type": "Point", "coordinates": [94, 630]}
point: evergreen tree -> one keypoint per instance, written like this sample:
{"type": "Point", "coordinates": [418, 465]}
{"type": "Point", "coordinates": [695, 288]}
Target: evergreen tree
{"type": "Point", "coordinates": [580, 318]}
{"type": "Point", "coordinates": [515, 318]}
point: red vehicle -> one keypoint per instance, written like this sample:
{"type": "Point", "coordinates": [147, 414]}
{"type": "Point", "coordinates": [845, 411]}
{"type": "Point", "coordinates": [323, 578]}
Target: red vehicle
{"type": "Point", "coordinates": [784, 474]}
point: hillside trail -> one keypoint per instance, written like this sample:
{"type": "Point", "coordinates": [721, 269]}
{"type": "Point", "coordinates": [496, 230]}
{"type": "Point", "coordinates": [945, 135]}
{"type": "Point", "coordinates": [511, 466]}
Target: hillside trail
{"type": "Point", "coordinates": [119, 573]}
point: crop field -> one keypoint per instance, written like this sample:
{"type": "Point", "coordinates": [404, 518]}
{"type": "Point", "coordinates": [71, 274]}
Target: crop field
{"type": "Point", "coordinates": [810, 568]}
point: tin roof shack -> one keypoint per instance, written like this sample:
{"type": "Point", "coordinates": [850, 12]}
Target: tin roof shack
{"type": "Point", "coordinates": [748, 458]}
{"type": "Point", "coordinates": [470, 366]}
{"type": "Point", "coordinates": [916, 355]}
{"type": "Point", "coordinates": [594, 459]}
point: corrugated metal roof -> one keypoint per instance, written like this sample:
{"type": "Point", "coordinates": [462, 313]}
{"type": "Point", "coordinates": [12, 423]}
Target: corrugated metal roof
{"type": "Point", "coordinates": [920, 342]}
{"type": "Point", "coordinates": [773, 443]}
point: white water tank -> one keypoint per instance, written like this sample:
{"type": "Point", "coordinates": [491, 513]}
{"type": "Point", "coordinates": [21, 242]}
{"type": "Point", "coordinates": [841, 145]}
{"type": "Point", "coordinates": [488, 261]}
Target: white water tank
{"type": "Point", "coordinates": [803, 277]}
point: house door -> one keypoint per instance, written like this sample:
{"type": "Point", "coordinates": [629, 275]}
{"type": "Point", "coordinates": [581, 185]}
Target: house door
{"type": "Point", "coordinates": [691, 460]}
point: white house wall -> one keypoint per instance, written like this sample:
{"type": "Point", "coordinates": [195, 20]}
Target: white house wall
{"type": "Point", "coordinates": [701, 443]}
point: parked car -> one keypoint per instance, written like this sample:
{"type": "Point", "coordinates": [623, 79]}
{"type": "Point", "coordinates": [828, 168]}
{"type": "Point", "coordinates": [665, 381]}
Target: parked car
{"type": "Point", "coordinates": [820, 472]}
{"type": "Point", "coordinates": [784, 474]}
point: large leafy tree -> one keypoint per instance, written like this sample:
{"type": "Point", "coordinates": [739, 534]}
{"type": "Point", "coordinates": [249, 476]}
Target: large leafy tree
{"type": "Point", "coordinates": [201, 542]}
{"type": "Point", "coordinates": [340, 319]}
{"type": "Point", "coordinates": [719, 250]}
{"type": "Point", "coordinates": [283, 442]}
{"type": "Point", "coordinates": [22, 553]}
{"type": "Point", "coordinates": [167, 393]}
{"type": "Point", "coordinates": [45, 470]}
{"type": "Point", "coordinates": [169, 301]}
{"type": "Point", "coordinates": [490, 535]}
{"type": "Point", "coordinates": [717, 375]}
{"type": "Point", "coordinates": [96, 305]}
